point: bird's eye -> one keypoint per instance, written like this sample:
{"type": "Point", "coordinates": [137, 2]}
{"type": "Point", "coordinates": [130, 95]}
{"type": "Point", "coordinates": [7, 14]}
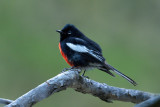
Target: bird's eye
{"type": "Point", "coordinates": [69, 32]}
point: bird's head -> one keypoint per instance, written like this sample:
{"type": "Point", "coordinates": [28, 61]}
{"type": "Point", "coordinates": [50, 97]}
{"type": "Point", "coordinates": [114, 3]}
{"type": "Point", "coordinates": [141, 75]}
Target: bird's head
{"type": "Point", "coordinates": [69, 30]}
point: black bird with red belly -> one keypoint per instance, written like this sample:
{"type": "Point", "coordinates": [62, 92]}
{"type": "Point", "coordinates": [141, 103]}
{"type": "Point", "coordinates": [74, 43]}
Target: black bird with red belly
{"type": "Point", "coordinates": [81, 52]}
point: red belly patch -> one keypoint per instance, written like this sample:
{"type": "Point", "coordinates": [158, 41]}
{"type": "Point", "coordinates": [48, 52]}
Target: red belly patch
{"type": "Point", "coordinates": [64, 56]}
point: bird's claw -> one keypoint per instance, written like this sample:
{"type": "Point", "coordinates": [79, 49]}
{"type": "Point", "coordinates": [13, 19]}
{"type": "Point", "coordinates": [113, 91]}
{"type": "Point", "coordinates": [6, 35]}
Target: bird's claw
{"type": "Point", "coordinates": [85, 76]}
{"type": "Point", "coordinates": [72, 68]}
{"type": "Point", "coordinates": [65, 69]}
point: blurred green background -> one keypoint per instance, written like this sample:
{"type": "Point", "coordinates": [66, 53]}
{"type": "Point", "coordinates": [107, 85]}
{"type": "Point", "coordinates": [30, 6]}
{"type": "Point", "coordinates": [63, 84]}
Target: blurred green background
{"type": "Point", "coordinates": [128, 31]}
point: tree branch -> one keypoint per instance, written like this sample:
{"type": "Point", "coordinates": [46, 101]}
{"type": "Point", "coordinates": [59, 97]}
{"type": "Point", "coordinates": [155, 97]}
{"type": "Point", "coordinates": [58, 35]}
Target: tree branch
{"type": "Point", "coordinates": [72, 79]}
{"type": "Point", "coordinates": [5, 101]}
{"type": "Point", "coordinates": [152, 102]}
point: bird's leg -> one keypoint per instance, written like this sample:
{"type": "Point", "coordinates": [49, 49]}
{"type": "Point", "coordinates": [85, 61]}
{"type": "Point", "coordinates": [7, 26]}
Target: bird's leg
{"type": "Point", "coordinates": [84, 73]}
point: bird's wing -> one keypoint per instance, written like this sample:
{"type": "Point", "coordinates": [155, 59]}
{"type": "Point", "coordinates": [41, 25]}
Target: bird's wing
{"type": "Point", "coordinates": [80, 45]}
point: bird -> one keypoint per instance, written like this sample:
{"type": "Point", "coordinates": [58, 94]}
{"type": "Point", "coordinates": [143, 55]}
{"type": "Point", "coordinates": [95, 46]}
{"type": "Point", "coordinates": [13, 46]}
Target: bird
{"type": "Point", "coordinates": [83, 53]}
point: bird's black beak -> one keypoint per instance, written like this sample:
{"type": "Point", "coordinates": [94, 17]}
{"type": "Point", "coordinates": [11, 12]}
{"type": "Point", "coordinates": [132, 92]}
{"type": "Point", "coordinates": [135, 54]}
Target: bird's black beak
{"type": "Point", "coordinates": [59, 31]}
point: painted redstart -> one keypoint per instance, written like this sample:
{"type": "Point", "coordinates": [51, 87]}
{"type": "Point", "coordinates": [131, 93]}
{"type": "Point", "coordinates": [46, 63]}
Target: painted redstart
{"type": "Point", "coordinates": [81, 52]}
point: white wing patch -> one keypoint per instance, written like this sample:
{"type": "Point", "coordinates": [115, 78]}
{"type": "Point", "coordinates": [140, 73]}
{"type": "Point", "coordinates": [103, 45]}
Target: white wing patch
{"type": "Point", "coordinates": [84, 49]}
{"type": "Point", "coordinates": [78, 48]}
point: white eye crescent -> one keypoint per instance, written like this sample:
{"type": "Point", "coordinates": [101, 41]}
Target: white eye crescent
{"type": "Point", "coordinates": [69, 33]}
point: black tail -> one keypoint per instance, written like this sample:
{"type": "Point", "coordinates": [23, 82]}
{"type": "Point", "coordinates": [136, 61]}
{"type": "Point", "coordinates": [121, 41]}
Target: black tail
{"type": "Point", "coordinates": [107, 71]}
{"type": "Point", "coordinates": [108, 67]}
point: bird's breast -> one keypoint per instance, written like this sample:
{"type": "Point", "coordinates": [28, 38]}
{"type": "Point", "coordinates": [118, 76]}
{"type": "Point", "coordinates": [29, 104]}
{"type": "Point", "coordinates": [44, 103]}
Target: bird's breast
{"type": "Point", "coordinates": [65, 56]}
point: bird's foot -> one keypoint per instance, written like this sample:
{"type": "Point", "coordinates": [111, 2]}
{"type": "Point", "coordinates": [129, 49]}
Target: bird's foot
{"type": "Point", "coordinates": [84, 73]}
{"type": "Point", "coordinates": [85, 76]}
{"type": "Point", "coordinates": [76, 69]}
{"type": "Point", "coordinates": [66, 69]}
{"type": "Point", "coordinates": [72, 68]}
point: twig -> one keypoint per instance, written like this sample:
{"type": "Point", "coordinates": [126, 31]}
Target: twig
{"type": "Point", "coordinates": [5, 101]}
{"type": "Point", "coordinates": [72, 79]}
{"type": "Point", "coordinates": [152, 102]}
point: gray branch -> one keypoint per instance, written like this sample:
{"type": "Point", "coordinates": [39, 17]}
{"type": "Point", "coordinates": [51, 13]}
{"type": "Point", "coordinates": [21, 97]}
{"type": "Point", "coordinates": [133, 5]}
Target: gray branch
{"type": "Point", "coordinates": [5, 101]}
{"type": "Point", "coordinates": [152, 102]}
{"type": "Point", "coordinates": [72, 79]}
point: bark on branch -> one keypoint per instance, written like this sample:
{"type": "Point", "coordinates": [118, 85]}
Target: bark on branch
{"type": "Point", "coordinates": [72, 79]}
{"type": "Point", "coordinates": [5, 101]}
